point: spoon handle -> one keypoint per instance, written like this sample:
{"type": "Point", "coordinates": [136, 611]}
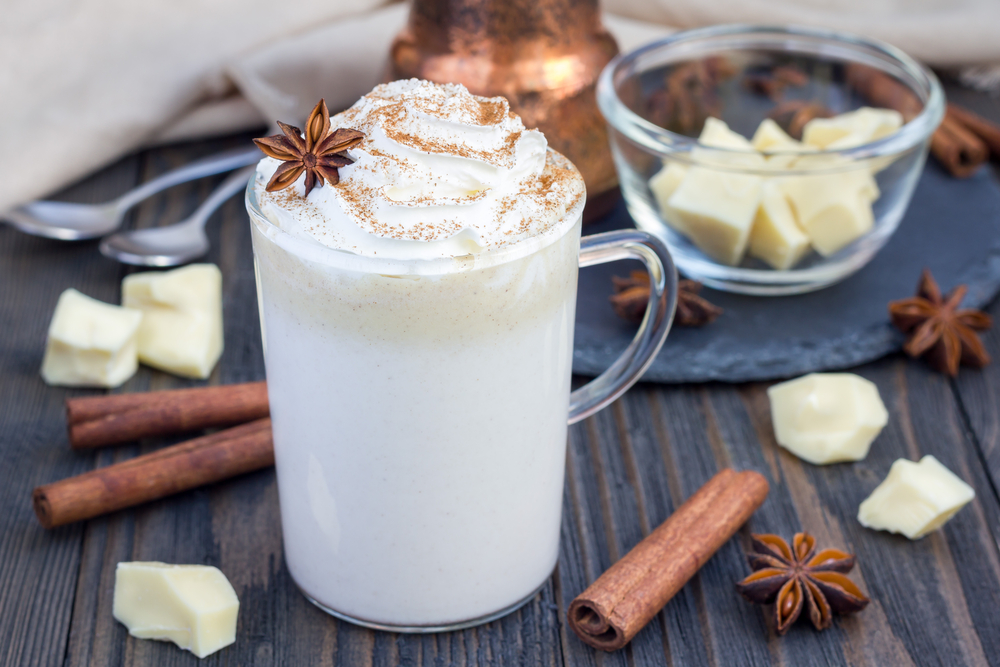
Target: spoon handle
{"type": "Point", "coordinates": [208, 166]}
{"type": "Point", "coordinates": [236, 182]}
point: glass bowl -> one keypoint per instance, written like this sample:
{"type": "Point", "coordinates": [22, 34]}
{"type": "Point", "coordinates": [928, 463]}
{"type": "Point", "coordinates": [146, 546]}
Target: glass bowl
{"type": "Point", "coordinates": [657, 98]}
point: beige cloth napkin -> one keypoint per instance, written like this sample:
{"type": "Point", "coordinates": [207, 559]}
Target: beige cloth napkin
{"type": "Point", "coordinates": [87, 81]}
{"type": "Point", "coordinates": [938, 32]}
{"type": "Point", "coordinates": [83, 82]}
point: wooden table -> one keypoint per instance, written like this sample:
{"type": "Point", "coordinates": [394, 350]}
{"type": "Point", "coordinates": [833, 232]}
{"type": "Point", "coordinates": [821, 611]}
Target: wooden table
{"type": "Point", "coordinates": [934, 602]}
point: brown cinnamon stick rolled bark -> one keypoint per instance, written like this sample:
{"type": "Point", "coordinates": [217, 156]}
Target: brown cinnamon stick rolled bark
{"type": "Point", "coordinates": [988, 133]}
{"type": "Point", "coordinates": [954, 143]}
{"type": "Point", "coordinates": [167, 471]}
{"type": "Point", "coordinates": [97, 421]}
{"type": "Point", "coordinates": [625, 598]}
{"type": "Point", "coordinates": [959, 150]}
{"type": "Point", "coordinates": [882, 90]}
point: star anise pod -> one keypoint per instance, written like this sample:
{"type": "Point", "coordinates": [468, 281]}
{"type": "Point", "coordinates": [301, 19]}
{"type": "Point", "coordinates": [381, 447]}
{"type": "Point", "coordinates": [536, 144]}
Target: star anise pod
{"type": "Point", "coordinates": [632, 296]}
{"type": "Point", "coordinates": [793, 577]}
{"type": "Point", "coordinates": [773, 83]}
{"type": "Point", "coordinates": [938, 330]}
{"type": "Point", "coordinates": [319, 153]}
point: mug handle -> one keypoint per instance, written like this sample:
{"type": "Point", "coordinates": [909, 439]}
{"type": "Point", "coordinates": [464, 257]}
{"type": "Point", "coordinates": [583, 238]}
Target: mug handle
{"type": "Point", "coordinates": [629, 367]}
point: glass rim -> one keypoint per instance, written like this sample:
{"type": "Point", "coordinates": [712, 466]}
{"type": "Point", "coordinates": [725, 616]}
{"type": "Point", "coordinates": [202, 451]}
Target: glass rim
{"type": "Point", "coordinates": [664, 142]}
{"type": "Point", "coordinates": [342, 259]}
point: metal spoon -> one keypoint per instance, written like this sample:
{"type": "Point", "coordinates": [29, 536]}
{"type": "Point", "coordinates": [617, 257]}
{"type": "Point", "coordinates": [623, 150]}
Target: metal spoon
{"type": "Point", "coordinates": [174, 244]}
{"type": "Point", "coordinates": [72, 222]}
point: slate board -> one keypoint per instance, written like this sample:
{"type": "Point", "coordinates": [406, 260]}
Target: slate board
{"type": "Point", "coordinates": [952, 227]}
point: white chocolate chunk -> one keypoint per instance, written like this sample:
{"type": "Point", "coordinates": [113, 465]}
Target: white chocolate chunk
{"type": "Point", "coordinates": [714, 204]}
{"type": "Point", "coordinates": [717, 210]}
{"type": "Point", "coordinates": [734, 151]}
{"type": "Point", "coordinates": [840, 173]}
{"type": "Point", "coordinates": [770, 138]}
{"type": "Point", "coordinates": [182, 325]}
{"type": "Point", "coordinates": [90, 343]}
{"type": "Point", "coordinates": [663, 184]}
{"type": "Point", "coordinates": [775, 236]}
{"type": "Point", "coordinates": [827, 417]}
{"type": "Point", "coordinates": [915, 498]}
{"type": "Point", "coordinates": [193, 606]}
{"type": "Point", "coordinates": [850, 129]}
{"type": "Point", "coordinates": [834, 208]}
{"type": "Point", "coordinates": [716, 133]}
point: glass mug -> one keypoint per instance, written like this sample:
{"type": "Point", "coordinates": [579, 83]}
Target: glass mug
{"type": "Point", "coordinates": [418, 410]}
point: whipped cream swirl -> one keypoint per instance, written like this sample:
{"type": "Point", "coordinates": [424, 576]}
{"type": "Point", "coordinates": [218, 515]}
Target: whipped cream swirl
{"type": "Point", "coordinates": [440, 173]}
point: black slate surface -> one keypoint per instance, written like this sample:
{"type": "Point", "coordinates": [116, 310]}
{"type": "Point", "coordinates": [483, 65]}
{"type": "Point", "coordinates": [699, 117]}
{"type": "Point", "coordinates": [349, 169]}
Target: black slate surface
{"type": "Point", "coordinates": [952, 227]}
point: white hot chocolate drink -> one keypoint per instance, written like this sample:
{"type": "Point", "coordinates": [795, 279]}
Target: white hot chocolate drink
{"type": "Point", "coordinates": [418, 333]}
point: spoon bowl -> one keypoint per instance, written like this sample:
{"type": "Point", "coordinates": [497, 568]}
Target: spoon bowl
{"type": "Point", "coordinates": [69, 221]}
{"type": "Point", "coordinates": [158, 246]}
{"type": "Point", "coordinates": [175, 244]}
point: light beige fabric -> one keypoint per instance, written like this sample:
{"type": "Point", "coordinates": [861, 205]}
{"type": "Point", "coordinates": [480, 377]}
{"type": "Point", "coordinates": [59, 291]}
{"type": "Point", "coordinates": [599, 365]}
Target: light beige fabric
{"type": "Point", "coordinates": [87, 81]}
{"type": "Point", "coordinates": [938, 32]}
{"type": "Point", "coordinates": [83, 82]}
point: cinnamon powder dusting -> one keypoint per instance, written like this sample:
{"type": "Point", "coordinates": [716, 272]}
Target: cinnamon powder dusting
{"type": "Point", "coordinates": [389, 188]}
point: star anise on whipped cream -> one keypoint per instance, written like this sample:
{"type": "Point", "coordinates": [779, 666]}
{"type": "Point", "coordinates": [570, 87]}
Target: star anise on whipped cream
{"type": "Point", "coordinates": [317, 152]}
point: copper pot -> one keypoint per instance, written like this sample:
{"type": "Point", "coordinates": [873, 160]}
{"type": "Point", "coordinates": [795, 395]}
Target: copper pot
{"type": "Point", "coordinates": [544, 56]}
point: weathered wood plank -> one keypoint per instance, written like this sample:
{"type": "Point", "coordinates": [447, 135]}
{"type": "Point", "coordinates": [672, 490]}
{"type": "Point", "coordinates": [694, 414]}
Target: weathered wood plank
{"type": "Point", "coordinates": [38, 570]}
{"type": "Point", "coordinates": [979, 398]}
{"type": "Point", "coordinates": [731, 631]}
{"type": "Point", "coordinates": [646, 444]}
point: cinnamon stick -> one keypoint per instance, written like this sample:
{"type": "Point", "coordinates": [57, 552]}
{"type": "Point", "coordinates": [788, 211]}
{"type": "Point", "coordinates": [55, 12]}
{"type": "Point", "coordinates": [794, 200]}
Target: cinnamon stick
{"type": "Point", "coordinates": [959, 150]}
{"type": "Point", "coordinates": [882, 90]}
{"type": "Point", "coordinates": [988, 133]}
{"type": "Point", "coordinates": [167, 471]}
{"type": "Point", "coordinates": [625, 598]}
{"type": "Point", "coordinates": [96, 421]}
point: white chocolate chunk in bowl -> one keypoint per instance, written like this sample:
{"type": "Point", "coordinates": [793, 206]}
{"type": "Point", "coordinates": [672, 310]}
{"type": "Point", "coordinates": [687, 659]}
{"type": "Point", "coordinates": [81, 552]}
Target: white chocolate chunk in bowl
{"type": "Point", "coordinates": [833, 205]}
{"type": "Point", "coordinates": [776, 237]}
{"type": "Point", "coordinates": [780, 150]}
{"type": "Point", "coordinates": [663, 184]}
{"type": "Point", "coordinates": [717, 209]}
{"type": "Point", "coordinates": [716, 133]}
{"type": "Point", "coordinates": [714, 203]}
{"type": "Point", "coordinates": [853, 128]}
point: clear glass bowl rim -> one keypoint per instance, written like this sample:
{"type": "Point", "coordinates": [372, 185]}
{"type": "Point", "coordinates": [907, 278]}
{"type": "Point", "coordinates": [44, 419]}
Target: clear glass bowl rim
{"type": "Point", "coordinates": [665, 142]}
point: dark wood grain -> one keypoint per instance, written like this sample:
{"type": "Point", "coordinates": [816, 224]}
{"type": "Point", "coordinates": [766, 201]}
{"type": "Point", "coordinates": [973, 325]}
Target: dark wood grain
{"type": "Point", "coordinates": [934, 601]}
{"type": "Point", "coordinates": [38, 570]}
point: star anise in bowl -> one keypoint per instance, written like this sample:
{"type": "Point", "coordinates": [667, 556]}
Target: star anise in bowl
{"type": "Point", "coordinates": [938, 330]}
{"type": "Point", "coordinates": [632, 296]}
{"type": "Point", "coordinates": [318, 152]}
{"type": "Point", "coordinates": [795, 577]}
